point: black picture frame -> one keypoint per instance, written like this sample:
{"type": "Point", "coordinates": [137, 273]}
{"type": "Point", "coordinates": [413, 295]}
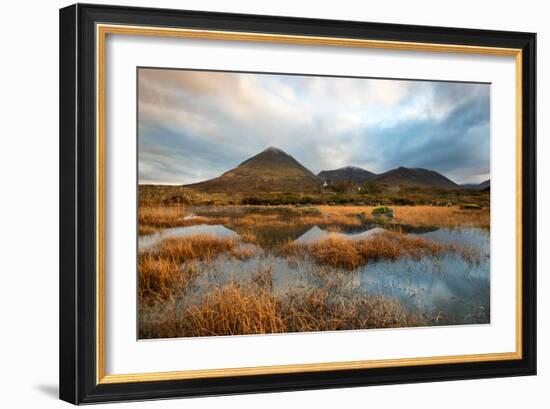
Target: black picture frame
{"type": "Point", "coordinates": [78, 360]}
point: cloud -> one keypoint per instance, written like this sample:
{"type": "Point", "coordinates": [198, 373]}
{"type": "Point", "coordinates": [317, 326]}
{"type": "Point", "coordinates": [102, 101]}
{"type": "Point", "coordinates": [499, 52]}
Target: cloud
{"type": "Point", "coordinates": [194, 125]}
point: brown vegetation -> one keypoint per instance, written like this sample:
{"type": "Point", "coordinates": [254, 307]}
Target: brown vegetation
{"type": "Point", "coordinates": [248, 237]}
{"type": "Point", "coordinates": [144, 229]}
{"type": "Point", "coordinates": [169, 267]}
{"type": "Point", "coordinates": [292, 216]}
{"type": "Point", "coordinates": [240, 309]}
{"type": "Point", "coordinates": [160, 278]}
{"type": "Point", "coordinates": [153, 218]}
{"type": "Point", "coordinates": [160, 216]}
{"type": "Point", "coordinates": [340, 252]}
{"type": "Point", "coordinates": [442, 216]}
{"type": "Point", "coordinates": [199, 246]}
{"type": "Point", "coordinates": [371, 194]}
{"type": "Point", "coordinates": [169, 272]}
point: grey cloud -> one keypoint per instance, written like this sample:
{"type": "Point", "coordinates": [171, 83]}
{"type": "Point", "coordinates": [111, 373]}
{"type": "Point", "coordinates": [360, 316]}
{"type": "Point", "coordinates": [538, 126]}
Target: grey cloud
{"type": "Point", "coordinates": [458, 145]}
{"type": "Point", "coordinates": [196, 125]}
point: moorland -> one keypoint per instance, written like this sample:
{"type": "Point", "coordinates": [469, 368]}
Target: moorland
{"type": "Point", "coordinates": [270, 247]}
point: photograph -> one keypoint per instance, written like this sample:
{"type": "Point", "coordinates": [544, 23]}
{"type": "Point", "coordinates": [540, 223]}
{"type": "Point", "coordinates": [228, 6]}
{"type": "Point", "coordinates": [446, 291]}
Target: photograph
{"type": "Point", "coordinates": [265, 200]}
{"type": "Point", "coordinates": [276, 203]}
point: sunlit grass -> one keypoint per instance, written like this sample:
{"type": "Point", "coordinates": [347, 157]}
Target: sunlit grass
{"type": "Point", "coordinates": [249, 308]}
{"type": "Point", "coordinates": [340, 252]}
{"type": "Point", "coordinates": [442, 216]}
{"type": "Point", "coordinates": [170, 305]}
{"type": "Point", "coordinates": [249, 237]}
{"type": "Point", "coordinates": [151, 219]}
{"type": "Point", "coordinates": [160, 278]}
{"type": "Point", "coordinates": [195, 247]}
{"type": "Point", "coordinates": [167, 268]}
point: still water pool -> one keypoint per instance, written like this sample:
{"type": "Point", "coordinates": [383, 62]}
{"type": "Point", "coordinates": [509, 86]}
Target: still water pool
{"type": "Point", "coordinates": [446, 289]}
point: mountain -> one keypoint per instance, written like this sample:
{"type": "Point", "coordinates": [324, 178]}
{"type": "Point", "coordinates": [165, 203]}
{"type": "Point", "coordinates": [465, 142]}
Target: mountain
{"type": "Point", "coordinates": [271, 170]}
{"type": "Point", "coordinates": [348, 173]}
{"type": "Point", "coordinates": [415, 177]}
{"type": "Point", "coordinates": [485, 185]}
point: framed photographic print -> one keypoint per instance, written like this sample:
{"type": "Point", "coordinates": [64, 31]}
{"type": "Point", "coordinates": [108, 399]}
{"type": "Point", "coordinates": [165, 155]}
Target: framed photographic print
{"type": "Point", "coordinates": [257, 203]}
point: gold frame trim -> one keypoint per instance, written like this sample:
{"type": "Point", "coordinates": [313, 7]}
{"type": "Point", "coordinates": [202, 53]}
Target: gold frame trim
{"type": "Point", "coordinates": [101, 32]}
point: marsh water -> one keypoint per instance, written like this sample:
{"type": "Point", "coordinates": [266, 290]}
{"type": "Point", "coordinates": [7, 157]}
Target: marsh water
{"type": "Point", "coordinates": [447, 289]}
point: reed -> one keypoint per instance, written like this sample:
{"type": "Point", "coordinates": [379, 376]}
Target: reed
{"type": "Point", "coordinates": [144, 229]}
{"type": "Point", "coordinates": [241, 309]}
{"type": "Point", "coordinates": [290, 216]}
{"type": "Point", "coordinates": [195, 247]}
{"type": "Point", "coordinates": [160, 216]}
{"type": "Point", "coordinates": [336, 251]}
{"type": "Point", "coordinates": [443, 216]}
{"type": "Point", "coordinates": [153, 218]}
{"type": "Point", "coordinates": [161, 278]}
{"type": "Point", "coordinates": [169, 267]}
{"type": "Point", "coordinates": [258, 219]}
{"type": "Point", "coordinates": [249, 237]}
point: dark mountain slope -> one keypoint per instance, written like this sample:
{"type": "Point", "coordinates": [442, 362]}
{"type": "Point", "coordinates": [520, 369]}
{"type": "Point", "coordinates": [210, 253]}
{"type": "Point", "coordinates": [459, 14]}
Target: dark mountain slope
{"type": "Point", "coordinates": [415, 177]}
{"type": "Point", "coordinates": [348, 173]}
{"type": "Point", "coordinates": [272, 170]}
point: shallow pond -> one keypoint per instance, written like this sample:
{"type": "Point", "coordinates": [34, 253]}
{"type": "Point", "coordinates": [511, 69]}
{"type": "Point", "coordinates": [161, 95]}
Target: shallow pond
{"type": "Point", "coordinates": [445, 290]}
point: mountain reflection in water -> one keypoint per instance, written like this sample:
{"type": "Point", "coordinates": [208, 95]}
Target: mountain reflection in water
{"type": "Point", "coordinates": [446, 286]}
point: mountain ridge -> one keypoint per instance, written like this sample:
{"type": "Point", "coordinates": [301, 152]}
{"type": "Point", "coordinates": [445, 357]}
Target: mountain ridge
{"type": "Point", "coordinates": [347, 173]}
{"type": "Point", "coordinates": [415, 177]}
{"type": "Point", "coordinates": [274, 170]}
{"type": "Point", "coordinates": [486, 184]}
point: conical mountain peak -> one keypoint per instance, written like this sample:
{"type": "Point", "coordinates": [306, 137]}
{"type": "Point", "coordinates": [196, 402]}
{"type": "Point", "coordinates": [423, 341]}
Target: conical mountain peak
{"type": "Point", "coordinates": [270, 170]}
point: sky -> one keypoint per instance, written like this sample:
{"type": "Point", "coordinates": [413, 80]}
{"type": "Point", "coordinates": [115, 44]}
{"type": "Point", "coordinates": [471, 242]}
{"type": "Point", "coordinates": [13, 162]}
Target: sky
{"type": "Point", "coordinates": [195, 125]}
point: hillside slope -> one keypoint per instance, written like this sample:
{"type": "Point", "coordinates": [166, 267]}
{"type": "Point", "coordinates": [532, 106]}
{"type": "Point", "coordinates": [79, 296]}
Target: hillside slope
{"type": "Point", "coordinates": [348, 173]}
{"type": "Point", "coordinates": [415, 177]}
{"type": "Point", "coordinates": [272, 170]}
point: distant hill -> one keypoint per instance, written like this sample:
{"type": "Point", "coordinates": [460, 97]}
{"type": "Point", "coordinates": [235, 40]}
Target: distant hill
{"type": "Point", "coordinates": [415, 177]}
{"type": "Point", "coordinates": [485, 185]}
{"type": "Point", "coordinates": [348, 173]}
{"type": "Point", "coordinates": [272, 170]}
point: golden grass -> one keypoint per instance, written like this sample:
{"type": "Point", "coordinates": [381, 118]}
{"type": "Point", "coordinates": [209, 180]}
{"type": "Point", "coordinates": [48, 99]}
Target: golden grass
{"type": "Point", "coordinates": [258, 219]}
{"type": "Point", "coordinates": [160, 216]}
{"type": "Point", "coordinates": [336, 251]}
{"type": "Point", "coordinates": [453, 216]}
{"type": "Point", "coordinates": [331, 218]}
{"type": "Point", "coordinates": [442, 216]}
{"type": "Point", "coordinates": [144, 229]}
{"type": "Point", "coordinates": [241, 309]}
{"type": "Point", "coordinates": [288, 215]}
{"type": "Point", "coordinates": [233, 310]}
{"type": "Point", "coordinates": [167, 272]}
{"type": "Point", "coordinates": [165, 216]}
{"type": "Point", "coordinates": [315, 311]}
{"type": "Point", "coordinates": [170, 266]}
{"type": "Point", "coordinates": [161, 278]}
{"type": "Point", "coordinates": [249, 237]}
{"type": "Point", "coordinates": [196, 247]}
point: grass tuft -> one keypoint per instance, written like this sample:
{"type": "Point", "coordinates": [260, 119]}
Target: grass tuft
{"type": "Point", "coordinates": [249, 308]}
{"type": "Point", "coordinates": [336, 251]}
